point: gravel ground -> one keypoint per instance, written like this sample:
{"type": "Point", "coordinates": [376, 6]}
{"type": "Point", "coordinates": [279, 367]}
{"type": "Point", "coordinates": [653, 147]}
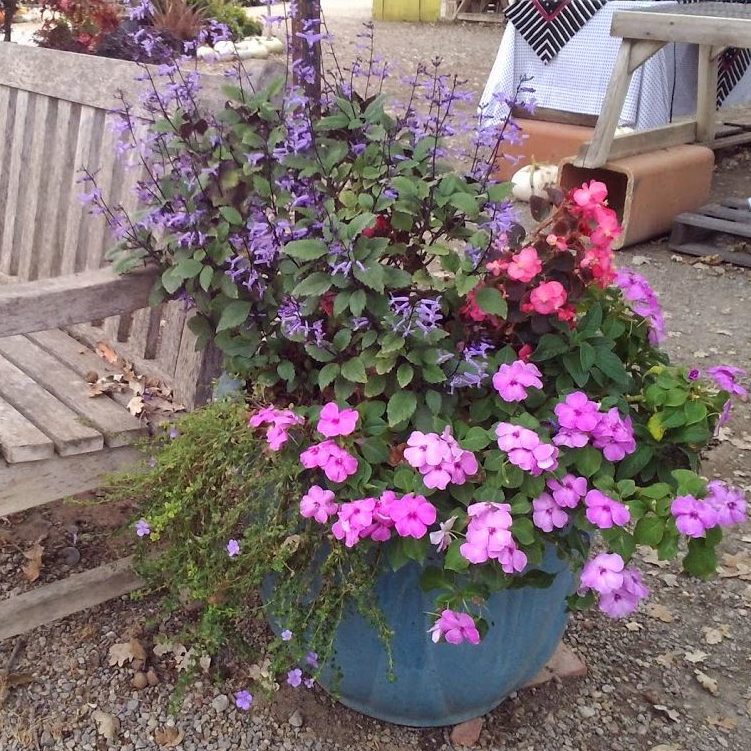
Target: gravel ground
{"type": "Point", "coordinates": [651, 679]}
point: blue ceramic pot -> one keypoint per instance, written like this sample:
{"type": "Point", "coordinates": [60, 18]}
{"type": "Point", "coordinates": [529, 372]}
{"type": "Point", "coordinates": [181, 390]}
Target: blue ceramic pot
{"type": "Point", "coordinates": [444, 684]}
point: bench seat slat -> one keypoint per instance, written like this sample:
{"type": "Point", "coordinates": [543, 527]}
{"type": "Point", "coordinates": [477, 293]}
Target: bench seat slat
{"type": "Point", "coordinates": [117, 425]}
{"type": "Point", "coordinates": [78, 357]}
{"type": "Point", "coordinates": [20, 440]}
{"type": "Point", "coordinates": [66, 429]}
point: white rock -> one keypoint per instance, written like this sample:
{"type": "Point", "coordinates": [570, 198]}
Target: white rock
{"type": "Point", "coordinates": [225, 47]}
{"type": "Point", "coordinates": [532, 180]}
{"type": "Point", "coordinates": [295, 719]}
{"type": "Point", "coordinates": [273, 44]}
{"type": "Point", "coordinates": [252, 48]}
{"type": "Point", "coordinates": [220, 703]}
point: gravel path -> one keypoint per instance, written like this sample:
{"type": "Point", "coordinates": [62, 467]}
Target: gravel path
{"type": "Point", "coordinates": [651, 679]}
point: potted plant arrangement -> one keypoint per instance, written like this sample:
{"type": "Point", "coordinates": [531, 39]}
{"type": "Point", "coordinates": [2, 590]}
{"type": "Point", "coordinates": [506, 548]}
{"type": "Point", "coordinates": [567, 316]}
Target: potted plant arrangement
{"type": "Point", "coordinates": [448, 433]}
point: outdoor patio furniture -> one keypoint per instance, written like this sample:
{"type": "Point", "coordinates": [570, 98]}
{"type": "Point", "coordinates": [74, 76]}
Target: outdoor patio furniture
{"type": "Point", "coordinates": [58, 300]}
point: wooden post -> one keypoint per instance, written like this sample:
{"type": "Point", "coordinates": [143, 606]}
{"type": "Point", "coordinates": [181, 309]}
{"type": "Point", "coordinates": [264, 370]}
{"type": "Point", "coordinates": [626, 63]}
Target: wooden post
{"type": "Point", "coordinates": [706, 94]}
{"type": "Point", "coordinates": [9, 8]}
{"type": "Point", "coordinates": [307, 20]}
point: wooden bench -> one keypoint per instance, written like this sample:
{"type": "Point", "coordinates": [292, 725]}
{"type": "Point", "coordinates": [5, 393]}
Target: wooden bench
{"type": "Point", "coordinates": [58, 300]}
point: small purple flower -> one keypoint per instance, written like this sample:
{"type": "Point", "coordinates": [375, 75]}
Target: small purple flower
{"type": "Point", "coordinates": [309, 682]}
{"type": "Point", "coordinates": [233, 548]}
{"type": "Point", "coordinates": [143, 528]}
{"type": "Point", "coordinates": [173, 432]}
{"type": "Point", "coordinates": [244, 700]}
{"type": "Point", "coordinates": [312, 659]}
{"type": "Point", "coordinates": [694, 374]}
{"type": "Point", "coordinates": [294, 677]}
{"type": "Point", "coordinates": [286, 635]}
{"type": "Point", "coordinates": [727, 378]}
{"type": "Point", "coordinates": [728, 502]}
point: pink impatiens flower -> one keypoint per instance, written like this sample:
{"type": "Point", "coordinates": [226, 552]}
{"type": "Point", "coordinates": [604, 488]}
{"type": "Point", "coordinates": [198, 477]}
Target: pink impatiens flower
{"type": "Point", "coordinates": [279, 422]}
{"type": "Point", "coordinates": [512, 381]}
{"type": "Point", "coordinates": [548, 297]}
{"type": "Point", "coordinates": [603, 573]}
{"type": "Point", "coordinates": [621, 602]}
{"type": "Point", "coordinates": [440, 459]}
{"type": "Point", "coordinates": [693, 517]}
{"type": "Point", "coordinates": [339, 465]}
{"type": "Point", "coordinates": [727, 378]}
{"type": "Point", "coordinates": [728, 502]}
{"type": "Point", "coordinates": [525, 448]}
{"type": "Point", "coordinates": [578, 412]}
{"type": "Point", "coordinates": [525, 265]}
{"type": "Point", "coordinates": [353, 518]}
{"type": "Point", "coordinates": [456, 628]}
{"type": "Point", "coordinates": [412, 515]}
{"type": "Point", "coordinates": [605, 512]}
{"type": "Point", "coordinates": [380, 529]}
{"type": "Point", "coordinates": [614, 435]}
{"type": "Point", "coordinates": [334, 422]}
{"type": "Point", "coordinates": [442, 537]}
{"type": "Point", "coordinates": [489, 537]}
{"type": "Point", "coordinates": [547, 515]}
{"type": "Point", "coordinates": [568, 491]}
{"type": "Point", "coordinates": [318, 504]}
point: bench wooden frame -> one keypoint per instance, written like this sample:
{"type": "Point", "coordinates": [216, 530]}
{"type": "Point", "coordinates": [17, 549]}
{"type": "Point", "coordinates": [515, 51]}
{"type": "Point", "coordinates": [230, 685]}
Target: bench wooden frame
{"type": "Point", "coordinates": [57, 295]}
{"type": "Point", "coordinates": [644, 33]}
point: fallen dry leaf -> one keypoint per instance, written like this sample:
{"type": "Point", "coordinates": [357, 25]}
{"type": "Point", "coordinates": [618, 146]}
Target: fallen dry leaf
{"type": "Point", "coordinates": [106, 352]}
{"type": "Point", "coordinates": [673, 714]}
{"type": "Point", "coordinates": [648, 555]}
{"type": "Point", "coordinates": [666, 660]}
{"type": "Point", "coordinates": [710, 684]}
{"type": "Point", "coordinates": [33, 568]}
{"type": "Point", "coordinates": [136, 405]}
{"type": "Point", "coordinates": [695, 657]}
{"type": "Point", "coordinates": [633, 626]}
{"type": "Point", "coordinates": [655, 610]}
{"type": "Point", "coordinates": [169, 736]}
{"type": "Point", "coordinates": [736, 565]}
{"type": "Point", "coordinates": [160, 404]}
{"type": "Point", "coordinates": [126, 651]}
{"type": "Point", "coordinates": [666, 747]}
{"type": "Point", "coordinates": [107, 725]}
{"type": "Point", "coordinates": [722, 722]}
{"type": "Point", "coordinates": [715, 635]}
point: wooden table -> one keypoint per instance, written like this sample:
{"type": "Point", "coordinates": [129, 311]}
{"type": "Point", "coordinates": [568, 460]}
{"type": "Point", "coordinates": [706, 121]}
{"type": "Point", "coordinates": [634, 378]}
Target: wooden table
{"type": "Point", "coordinates": [713, 26]}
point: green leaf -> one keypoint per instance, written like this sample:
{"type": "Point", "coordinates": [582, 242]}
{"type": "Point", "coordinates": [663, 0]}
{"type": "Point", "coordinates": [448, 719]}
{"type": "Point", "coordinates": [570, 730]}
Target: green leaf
{"type": "Point", "coordinates": [465, 284]}
{"type": "Point", "coordinates": [635, 463]}
{"type": "Point", "coordinates": [319, 353]}
{"type": "Point", "coordinates": [375, 385]}
{"type": "Point", "coordinates": [327, 374]}
{"type": "Point", "coordinates": [655, 427]}
{"type": "Point", "coordinates": [371, 276]}
{"type": "Point", "coordinates": [357, 302]}
{"type": "Point", "coordinates": [306, 250]}
{"type": "Point", "coordinates": [205, 277]}
{"type": "Point", "coordinates": [499, 192]}
{"type": "Point", "coordinates": [701, 559]}
{"type": "Point", "coordinates": [286, 370]}
{"type": "Point", "coordinates": [588, 460]}
{"type": "Point", "coordinates": [434, 578]}
{"type": "Point", "coordinates": [375, 450]}
{"type": "Point", "coordinates": [354, 370]}
{"type": "Point", "coordinates": [465, 203]}
{"type": "Point", "coordinates": [234, 314]}
{"type": "Point", "coordinates": [314, 285]}
{"type": "Point", "coordinates": [475, 439]}
{"type": "Point", "coordinates": [689, 483]}
{"type": "Point", "coordinates": [396, 554]}
{"type": "Point", "coordinates": [490, 300]}
{"type": "Point", "coordinates": [404, 374]}
{"type": "Point", "coordinates": [523, 530]}
{"type": "Point", "coordinates": [587, 356]}
{"type": "Point", "coordinates": [649, 531]}
{"type": "Point", "coordinates": [454, 560]}
{"type": "Point", "coordinates": [231, 214]}
{"type": "Point", "coordinates": [550, 346]}
{"type": "Point", "coordinates": [433, 399]}
{"type": "Point", "coordinates": [401, 407]}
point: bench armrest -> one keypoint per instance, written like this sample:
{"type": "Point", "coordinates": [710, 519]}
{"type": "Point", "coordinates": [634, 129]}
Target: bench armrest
{"type": "Point", "coordinates": [26, 307]}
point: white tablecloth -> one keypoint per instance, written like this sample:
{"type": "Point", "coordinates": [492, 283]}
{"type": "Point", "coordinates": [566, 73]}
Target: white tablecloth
{"type": "Point", "coordinates": [577, 78]}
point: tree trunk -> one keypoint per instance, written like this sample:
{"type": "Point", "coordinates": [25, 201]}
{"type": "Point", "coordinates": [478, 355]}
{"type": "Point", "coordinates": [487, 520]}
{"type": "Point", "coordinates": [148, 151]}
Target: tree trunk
{"type": "Point", "coordinates": [306, 54]}
{"type": "Point", "coordinates": [9, 6]}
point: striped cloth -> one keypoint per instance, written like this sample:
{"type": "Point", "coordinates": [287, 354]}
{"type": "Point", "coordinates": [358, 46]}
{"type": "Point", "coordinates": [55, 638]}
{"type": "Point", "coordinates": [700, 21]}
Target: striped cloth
{"type": "Point", "coordinates": [547, 25]}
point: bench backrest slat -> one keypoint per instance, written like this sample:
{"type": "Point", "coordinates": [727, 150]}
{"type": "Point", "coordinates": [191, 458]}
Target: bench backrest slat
{"type": "Point", "coordinates": [55, 112]}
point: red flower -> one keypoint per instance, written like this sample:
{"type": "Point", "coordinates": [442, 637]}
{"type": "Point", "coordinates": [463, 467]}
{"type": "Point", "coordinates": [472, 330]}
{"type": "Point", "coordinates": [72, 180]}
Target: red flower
{"type": "Point", "coordinates": [525, 352]}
